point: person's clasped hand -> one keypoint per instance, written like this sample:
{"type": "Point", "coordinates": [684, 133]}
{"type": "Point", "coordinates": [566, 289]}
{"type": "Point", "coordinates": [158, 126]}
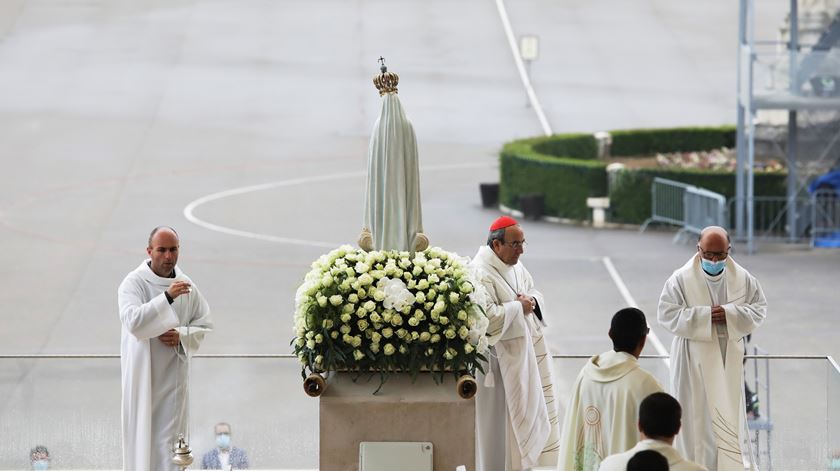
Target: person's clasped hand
{"type": "Point", "coordinates": [718, 315]}
{"type": "Point", "coordinates": [528, 303]}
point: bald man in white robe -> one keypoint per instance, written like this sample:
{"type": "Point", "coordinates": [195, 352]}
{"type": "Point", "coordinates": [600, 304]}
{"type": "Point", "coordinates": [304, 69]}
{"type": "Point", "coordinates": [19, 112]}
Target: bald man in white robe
{"type": "Point", "coordinates": [164, 318]}
{"type": "Point", "coordinates": [710, 305]}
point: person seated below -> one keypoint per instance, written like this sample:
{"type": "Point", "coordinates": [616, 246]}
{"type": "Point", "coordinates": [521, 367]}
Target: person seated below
{"type": "Point", "coordinates": [224, 456]}
{"type": "Point", "coordinates": [659, 422]}
{"type": "Point", "coordinates": [602, 412]}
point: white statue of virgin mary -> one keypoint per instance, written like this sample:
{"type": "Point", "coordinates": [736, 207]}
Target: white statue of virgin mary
{"type": "Point", "coordinates": [393, 218]}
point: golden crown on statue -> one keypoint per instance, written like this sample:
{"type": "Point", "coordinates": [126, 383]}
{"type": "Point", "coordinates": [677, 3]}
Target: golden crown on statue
{"type": "Point", "coordinates": [386, 82]}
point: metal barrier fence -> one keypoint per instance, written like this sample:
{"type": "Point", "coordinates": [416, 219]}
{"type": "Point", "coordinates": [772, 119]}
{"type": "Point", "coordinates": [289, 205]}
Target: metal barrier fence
{"type": "Point", "coordinates": [825, 216]}
{"type": "Point", "coordinates": [816, 218]}
{"type": "Point", "coordinates": [685, 205]}
{"type": "Point", "coordinates": [771, 221]}
{"type": "Point", "coordinates": [703, 208]}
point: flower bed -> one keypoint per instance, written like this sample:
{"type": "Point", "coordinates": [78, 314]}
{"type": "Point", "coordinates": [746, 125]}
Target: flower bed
{"type": "Point", "coordinates": [387, 311]}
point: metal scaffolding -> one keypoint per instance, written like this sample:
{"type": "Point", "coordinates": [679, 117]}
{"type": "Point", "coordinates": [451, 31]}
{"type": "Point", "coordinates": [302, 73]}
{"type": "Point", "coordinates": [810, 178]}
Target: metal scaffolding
{"type": "Point", "coordinates": [812, 79]}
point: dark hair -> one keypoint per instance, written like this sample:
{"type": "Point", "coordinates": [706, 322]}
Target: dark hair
{"type": "Point", "coordinates": [647, 460]}
{"type": "Point", "coordinates": [498, 234]}
{"type": "Point", "coordinates": [157, 229]}
{"type": "Point", "coordinates": [659, 416]}
{"type": "Point", "coordinates": [627, 329]}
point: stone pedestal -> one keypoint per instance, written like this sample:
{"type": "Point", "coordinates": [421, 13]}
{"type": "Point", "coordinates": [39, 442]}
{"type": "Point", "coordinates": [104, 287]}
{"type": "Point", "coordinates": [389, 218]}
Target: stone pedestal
{"type": "Point", "coordinates": [402, 411]}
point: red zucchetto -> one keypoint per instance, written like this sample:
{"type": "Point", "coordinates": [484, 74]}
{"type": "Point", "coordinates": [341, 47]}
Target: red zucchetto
{"type": "Point", "coordinates": [503, 222]}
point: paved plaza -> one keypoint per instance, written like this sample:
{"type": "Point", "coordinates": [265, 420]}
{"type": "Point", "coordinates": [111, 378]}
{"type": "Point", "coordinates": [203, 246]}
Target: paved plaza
{"type": "Point", "coordinates": [253, 118]}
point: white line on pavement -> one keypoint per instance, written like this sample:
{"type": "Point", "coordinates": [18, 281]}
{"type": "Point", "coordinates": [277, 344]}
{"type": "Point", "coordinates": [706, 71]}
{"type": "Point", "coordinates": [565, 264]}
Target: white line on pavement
{"type": "Point", "coordinates": [520, 66]}
{"type": "Point", "coordinates": [189, 210]}
{"type": "Point", "coordinates": [628, 299]}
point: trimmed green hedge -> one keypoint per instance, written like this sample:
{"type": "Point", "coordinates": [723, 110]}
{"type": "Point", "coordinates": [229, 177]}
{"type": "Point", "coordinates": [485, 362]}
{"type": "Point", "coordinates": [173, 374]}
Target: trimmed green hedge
{"type": "Point", "coordinates": [565, 181]}
{"type": "Point", "coordinates": [634, 142]}
{"type": "Point", "coordinates": [563, 168]}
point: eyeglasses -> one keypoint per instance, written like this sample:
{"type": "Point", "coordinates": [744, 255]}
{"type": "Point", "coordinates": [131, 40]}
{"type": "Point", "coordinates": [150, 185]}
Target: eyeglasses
{"type": "Point", "coordinates": [713, 255]}
{"type": "Point", "coordinates": [516, 244]}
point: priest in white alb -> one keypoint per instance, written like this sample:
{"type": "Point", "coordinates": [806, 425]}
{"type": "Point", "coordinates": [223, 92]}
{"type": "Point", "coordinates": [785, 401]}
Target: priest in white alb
{"type": "Point", "coordinates": [603, 408]}
{"type": "Point", "coordinates": [710, 305]}
{"type": "Point", "coordinates": [164, 318]}
{"type": "Point", "coordinates": [516, 414]}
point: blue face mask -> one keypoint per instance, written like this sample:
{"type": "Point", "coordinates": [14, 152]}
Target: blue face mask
{"type": "Point", "coordinates": [223, 440]}
{"type": "Point", "coordinates": [713, 268]}
{"type": "Point", "coordinates": [41, 464]}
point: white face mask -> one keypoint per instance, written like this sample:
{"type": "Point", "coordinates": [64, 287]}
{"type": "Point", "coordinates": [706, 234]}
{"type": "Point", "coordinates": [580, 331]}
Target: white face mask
{"type": "Point", "coordinates": [223, 440]}
{"type": "Point", "coordinates": [713, 268]}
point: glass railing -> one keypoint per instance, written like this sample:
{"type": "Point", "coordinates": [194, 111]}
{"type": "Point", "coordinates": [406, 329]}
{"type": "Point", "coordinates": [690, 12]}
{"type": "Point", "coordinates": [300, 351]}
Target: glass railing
{"type": "Point", "coordinates": [71, 405]}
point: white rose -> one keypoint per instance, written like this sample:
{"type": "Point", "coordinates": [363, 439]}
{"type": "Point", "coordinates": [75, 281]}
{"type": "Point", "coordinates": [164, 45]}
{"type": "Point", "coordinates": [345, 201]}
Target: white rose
{"type": "Point", "coordinates": [334, 334]}
{"type": "Point", "coordinates": [336, 299]}
{"type": "Point", "coordinates": [435, 338]}
{"type": "Point", "coordinates": [453, 297]}
{"type": "Point", "coordinates": [387, 332]}
{"type": "Point", "coordinates": [468, 348]}
{"type": "Point", "coordinates": [388, 349]}
{"type": "Point", "coordinates": [401, 333]}
{"type": "Point", "coordinates": [310, 344]}
{"type": "Point", "coordinates": [362, 267]}
{"type": "Point", "coordinates": [319, 338]}
{"type": "Point", "coordinates": [412, 321]}
{"type": "Point", "coordinates": [327, 281]}
{"type": "Point", "coordinates": [362, 324]}
{"type": "Point", "coordinates": [358, 355]}
{"type": "Point", "coordinates": [420, 298]}
{"type": "Point", "coordinates": [424, 337]}
{"type": "Point", "coordinates": [353, 298]}
{"type": "Point", "coordinates": [327, 323]}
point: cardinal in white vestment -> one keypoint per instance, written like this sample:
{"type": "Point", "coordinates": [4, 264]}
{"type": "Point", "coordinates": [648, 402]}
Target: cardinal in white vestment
{"type": "Point", "coordinates": [710, 305]}
{"type": "Point", "coordinates": [516, 415]}
{"type": "Point", "coordinates": [659, 422]}
{"type": "Point", "coordinates": [164, 317]}
{"type": "Point", "coordinates": [603, 408]}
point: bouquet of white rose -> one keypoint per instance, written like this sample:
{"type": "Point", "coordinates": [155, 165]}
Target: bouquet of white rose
{"type": "Point", "coordinates": [388, 311]}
